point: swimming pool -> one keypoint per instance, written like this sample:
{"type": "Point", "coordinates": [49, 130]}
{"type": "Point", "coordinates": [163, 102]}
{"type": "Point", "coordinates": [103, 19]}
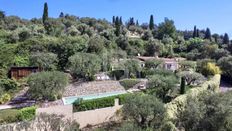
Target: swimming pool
{"type": "Point", "coordinates": [72, 99]}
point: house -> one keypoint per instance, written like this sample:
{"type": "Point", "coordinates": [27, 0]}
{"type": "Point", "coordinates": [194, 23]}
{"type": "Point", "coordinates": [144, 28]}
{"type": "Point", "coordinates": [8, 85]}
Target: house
{"type": "Point", "coordinates": [21, 72]}
{"type": "Point", "coordinates": [169, 63]}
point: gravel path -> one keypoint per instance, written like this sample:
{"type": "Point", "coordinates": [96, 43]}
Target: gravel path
{"type": "Point", "coordinates": [96, 87]}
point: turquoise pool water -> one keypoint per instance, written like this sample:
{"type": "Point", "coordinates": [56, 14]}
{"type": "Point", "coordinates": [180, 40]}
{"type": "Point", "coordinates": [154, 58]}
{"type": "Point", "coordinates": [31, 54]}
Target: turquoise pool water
{"type": "Point", "coordinates": [72, 99]}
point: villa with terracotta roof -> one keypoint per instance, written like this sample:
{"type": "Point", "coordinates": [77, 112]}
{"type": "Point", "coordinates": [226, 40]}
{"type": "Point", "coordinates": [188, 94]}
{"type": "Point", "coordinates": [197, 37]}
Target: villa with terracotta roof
{"type": "Point", "coordinates": [169, 63]}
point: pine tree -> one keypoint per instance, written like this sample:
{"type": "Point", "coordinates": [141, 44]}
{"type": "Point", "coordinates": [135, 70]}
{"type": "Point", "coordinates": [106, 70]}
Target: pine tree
{"type": "Point", "coordinates": [45, 12]}
{"type": "Point", "coordinates": [195, 32]}
{"type": "Point", "coordinates": [151, 24]}
{"type": "Point", "coordinates": [208, 34]}
{"type": "Point", "coordinates": [182, 86]}
{"type": "Point", "coordinates": [61, 15]}
{"type": "Point", "coordinates": [226, 39]}
{"type": "Point", "coordinates": [113, 20]}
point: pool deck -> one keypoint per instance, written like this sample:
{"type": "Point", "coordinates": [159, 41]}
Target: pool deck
{"type": "Point", "coordinates": [95, 87]}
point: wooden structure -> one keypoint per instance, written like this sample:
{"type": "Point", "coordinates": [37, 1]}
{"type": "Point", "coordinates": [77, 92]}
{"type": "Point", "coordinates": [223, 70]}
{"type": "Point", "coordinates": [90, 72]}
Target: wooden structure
{"type": "Point", "coordinates": [21, 72]}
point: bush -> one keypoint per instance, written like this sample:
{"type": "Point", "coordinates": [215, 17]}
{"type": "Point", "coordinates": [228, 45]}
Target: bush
{"type": "Point", "coordinates": [9, 116]}
{"type": "Point", "coordinates": [5, 98]}
{"type": "Point", "coordinates": [208, 68]}
{"type": "Point", "coordinates": [47, 85]}
{"type": "Point", "coordinates": [212, 69]}
{"type": "Point", "coordinates": [8, 84]}
{"type": "Point", "coordinates": [28, 113]}
{"type": "Point", "coordinates": [129, 83]}
{"type": "Point", "coordinates": [84, 105]}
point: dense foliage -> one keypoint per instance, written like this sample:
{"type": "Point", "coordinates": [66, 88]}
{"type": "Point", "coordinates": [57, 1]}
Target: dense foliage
{"type": "Point", "coordinates": [207, 112]}
{"type": "Point", "coordinates": [85, 65]}
{"type": "Point", "coordinates": [47, 85]}
{"type": "Point", "coordinates": [146, 111]}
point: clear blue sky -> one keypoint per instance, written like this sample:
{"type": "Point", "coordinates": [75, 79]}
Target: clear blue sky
{"type": "Point", "coordinates": [215, 14]}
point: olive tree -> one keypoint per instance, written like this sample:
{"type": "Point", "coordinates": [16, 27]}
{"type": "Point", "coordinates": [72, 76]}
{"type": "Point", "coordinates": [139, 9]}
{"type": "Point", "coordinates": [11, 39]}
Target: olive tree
{"type": "Point", "coordinates": [47, 85]}
{"type": "Point", "coordinates": [207, 112]}
{"type": "Point", "coordinates": [84, 65]}
{"type": "Point", "coordinates": [46, 61]}
{"type": "Point", "coordinates": [162, 85]}
{"type": "Point", "coordinates": [192, 77]}
{"type": "Point", "coordinates": [131, 67]}
{"type": "Point", "coordinates": [144, 110]}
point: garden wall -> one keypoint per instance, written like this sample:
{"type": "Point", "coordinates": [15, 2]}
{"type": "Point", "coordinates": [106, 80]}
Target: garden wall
{"type": "Point", "coordinates": [84, 118]}
{"type": "Point", "coordinates": [178, 103]}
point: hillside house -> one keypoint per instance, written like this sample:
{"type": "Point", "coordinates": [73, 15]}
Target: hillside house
{"type": "Point", "coordinates": [169, 63]}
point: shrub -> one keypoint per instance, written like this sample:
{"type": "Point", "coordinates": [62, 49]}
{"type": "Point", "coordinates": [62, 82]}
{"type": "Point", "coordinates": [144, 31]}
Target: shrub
{"type": "Point", "coordinates": [47, 85]}
{"type": "Point", "coordinates": [212, 69]}
{"type": "Point", "coordinates": [5, 98]}
{"type": "Point", "coordinates": [28, 113]}
{"type": "Point", "coordinates": [129, 83]}
{"type": "Point", "coordinates": [8, 84]}
{"type": "Point", "coordinates": [9, 116]}
{"type": "Point", "coordinates": [208, 68]}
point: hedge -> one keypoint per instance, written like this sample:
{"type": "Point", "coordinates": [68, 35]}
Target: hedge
{"type": "Point", "coordinates": [178, 103]}
{"type": "Point", "coordinates": [85, 105]}
{"type": "Point", "coordinates": [16, 115]}
{"type": "Point", "coordinates": [129, 83]}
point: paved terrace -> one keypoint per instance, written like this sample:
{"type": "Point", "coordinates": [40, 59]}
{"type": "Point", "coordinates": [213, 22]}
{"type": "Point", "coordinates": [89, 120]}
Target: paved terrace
{"type": "Point", "coordinates": [80, 88]}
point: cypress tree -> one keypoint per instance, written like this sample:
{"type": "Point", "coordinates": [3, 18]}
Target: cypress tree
{"type": "Point", "coordinates": [226, 39]}
{"type": "Point", "coordinates": [182, 86]}
{"type": "Point", "coordinates": [151, 23]}
{"type": "Point", "coordinates": [45, 12]}
{"type": "Point", "coordinates": [198, 33]}
{"type": "Point", "coordinates": [195, 32]}
{"type": "Point", "coordinates": [137, 23]}
{"type": "Point", "coordinates": [113, 20]}
{"type": "Point", "coordinates": [208, 34]}
{"type": "Point", "coordinates": [120, 21]}
{"type": "Point", "coordinates": [117, 26]}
